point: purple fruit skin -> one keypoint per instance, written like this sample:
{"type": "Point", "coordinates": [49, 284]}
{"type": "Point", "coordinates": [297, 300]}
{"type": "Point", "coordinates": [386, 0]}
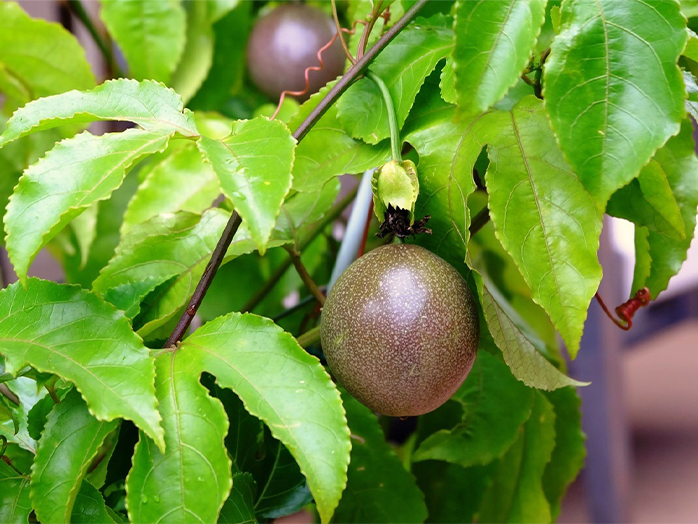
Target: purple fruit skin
{"type": "Point", "coordinates": [286, 41]}
{"type": "Point", "coordinates": [400, 330]}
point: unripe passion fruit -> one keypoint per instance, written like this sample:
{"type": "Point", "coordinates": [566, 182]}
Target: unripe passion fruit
{"type": "Point", "coordinates": [400, 330]}
{"type": "Point", "coordinates": [285, 42]}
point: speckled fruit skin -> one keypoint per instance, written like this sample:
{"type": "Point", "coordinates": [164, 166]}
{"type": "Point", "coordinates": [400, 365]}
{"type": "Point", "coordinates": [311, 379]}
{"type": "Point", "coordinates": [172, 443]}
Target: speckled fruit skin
{"type": "Point", "coordinates": [285, 42]}
{"type": "Point", "coordinates": [400, 330]}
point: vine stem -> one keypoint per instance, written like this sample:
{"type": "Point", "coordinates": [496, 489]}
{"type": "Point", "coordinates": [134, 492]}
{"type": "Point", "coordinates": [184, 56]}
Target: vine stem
{"type": "Point", "coordinates": [79, 11]}
{"type": "Point", "coordinates": [479, 221]}
{"type": "Point", "coordinates": [395, 145]}
{"type": "Point", "coordinates": [335, 15]}
{"type": "Point", "coordinates": [305, 276]}
{"type": "Point", "coordinates": [234, 223]}
{"type": "Point", "coordinates": [7, 393]}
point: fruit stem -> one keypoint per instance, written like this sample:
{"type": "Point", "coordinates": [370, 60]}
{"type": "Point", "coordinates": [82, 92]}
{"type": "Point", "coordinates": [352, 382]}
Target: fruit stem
{"type": "Point", "coordinates": [305, 276]}
{"type": "Point", "coordinates": [395, 143]}
{"type": "Point", "coordinates": [309, 338]}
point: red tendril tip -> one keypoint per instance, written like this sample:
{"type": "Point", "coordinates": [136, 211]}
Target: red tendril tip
{"type": "Point", "coordinates": [627, 309]}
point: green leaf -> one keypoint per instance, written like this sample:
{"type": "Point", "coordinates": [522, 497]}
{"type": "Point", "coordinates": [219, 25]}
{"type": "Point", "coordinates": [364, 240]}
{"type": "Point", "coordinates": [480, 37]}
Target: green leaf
{"type": "Point", "coordinates": [689, 8]}
{"type": "Point", "coordinates": [691, 50]}
{"type": "Point", "coordinates": [153, 252]}
{"type": "Point", "coordinates": [568, 455]}
{"type": "Point", "coordinates": [26, 389]}
{"type": "Point", "coordinates": [301, 406]}
{"type": "Point", "coordinates": [691, 94]}
{"type": "Point", "coordinates": [66, 449]}
{"type": "Point", "coordinates": [543, 216]}
{"type": "Point", "coordinates": [495, 405]}
{"type": "Point", "coordinates": [494, 41]}
{"type": "Point", "coordinates": [192, 479]}
{"type": "Point", "coordinates": [525, 361]}
{"type": "Point", "coordinates": [149, 104]}
{"type": "Point", "coordinates": [90, 508]}
{"type": "Point", "coordinates": [447, 155]}
{"type": "Point", "coordinates": [42, 57]}
{"type": "Point", "coordinates": [517, 494]}
{"type": "Point", "coordinates": [648, 201]}
{"type": "Point", "coordinates": [254, 166]}
{"type": "Point", "coordinates": [328, 151]}
{"type": "Point", "coordinates": [239, 508]}
{"type": "Point", "coordinates": [379, 488]}
{"type": "Point", "coordinates": [181, 181]}
{"type": "Point", "coordinates": [150, 34]}
{"type": "Point", "coordinates": [15, 505]}
{"type": "Point", "coordinates": [678, 160]}
{"type": "Point", "coordinates": [70, 332]}
{"type": "Point", "coordinates": [74, 175]}
{"type": "Point", "coordinates": [403, 66]}
{"type": "Point", "coordinates": [452, 493]}
{"type": "Point", "coordinates": [36, 418]}
{"type": "Point", "coordinates": [612, 88]}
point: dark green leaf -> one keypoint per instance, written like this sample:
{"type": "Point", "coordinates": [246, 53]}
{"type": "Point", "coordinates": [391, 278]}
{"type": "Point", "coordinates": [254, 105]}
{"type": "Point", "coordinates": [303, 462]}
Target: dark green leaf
{"type": "Point", "coordinates": [75, 334]}
{"type": "Point", "coordinates": [90, 508]}
{"type": "Point", "coordinates": [379, 489]}
{"type": "Point", "coordinates": [662, 257]}
{"type": "Point", "coordinates": [36, 419]}
{"type": "Point", "coordinates": [15, 505]}
{"type": "Point", "coordinates": [494, 41]}
{"type": "Point", "coordinates": [150, 34]}
{"type": "Point", "coordinates": [516, 494]}
{"type": "Point", "coordinates": [239, 508]}
{"type": "Point", "coordinates": [403, 66]}
{"type": "Point", "coordinates": [613, 89]}
{"type": "Point", "coordinates": [568, 455]}
{"type": "Point", "coordinates": [495, 405]}
{"type": "Point", "coordinates": [68, 444]}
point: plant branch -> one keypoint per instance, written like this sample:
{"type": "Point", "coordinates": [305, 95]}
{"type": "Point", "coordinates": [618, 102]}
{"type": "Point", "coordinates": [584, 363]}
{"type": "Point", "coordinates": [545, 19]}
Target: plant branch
{"type": "Point", "coordinates": [354, 71]}
{"type": "Point", "coordinates": [395, 144]}
{"type": "Point", "coordinates": [206, 279]}
{"type": "Point", "coordinates": [333, 213]}
{"type": "Point", "coordinates": [305, 276]}
{"type": "Point", "coordinates": [479, 221]}
{"type": "Point", "coordinates": [79, 11]}
{"type": "Point", "coordinates": [7, 392]}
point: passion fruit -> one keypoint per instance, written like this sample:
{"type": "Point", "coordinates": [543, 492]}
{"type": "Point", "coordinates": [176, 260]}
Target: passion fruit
{"type": "Point", "coordinates": [400, 330]}
{"type": "Point", "coordinates": [284, 42]}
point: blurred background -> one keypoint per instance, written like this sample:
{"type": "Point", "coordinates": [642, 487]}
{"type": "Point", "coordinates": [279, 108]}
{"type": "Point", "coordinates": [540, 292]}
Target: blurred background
{"type": "Point", "coordinates": [641, 412]}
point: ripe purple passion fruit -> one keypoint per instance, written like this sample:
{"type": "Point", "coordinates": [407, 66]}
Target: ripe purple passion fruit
{"type": "Point", "coordinates": [285, 42]}
{"type": "Point", "coordinates": [400, 330]}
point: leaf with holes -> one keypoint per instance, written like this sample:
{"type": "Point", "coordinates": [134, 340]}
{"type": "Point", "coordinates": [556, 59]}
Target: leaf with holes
{"type": "Point", "coordinates": [74, 175]}
{"type": "Point", "coordinates": [613, 89]}
{"type": "Point", "coordinates": [149, 104]}
{"type": "Point", "coordinates": [73, 333]}
{"type": "Point", "coordinates": [70, 441]}
{"type": "Point", "coordinates": [301, 407]}
{"type": "Point", "coordinates": [544, 217]}
{"type": "Point", "coordinates": [494, 41]}
{"type": "Point", "coordinates": [403, 66]}
{"type": "Point", "coordinates": [254, 166]}
{"type": "Point", "coordinates": [658, 257]}
{"type": "Point", "coordinates": [150, 34]}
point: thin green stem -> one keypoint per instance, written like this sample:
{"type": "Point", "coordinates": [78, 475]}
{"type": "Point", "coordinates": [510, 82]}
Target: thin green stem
{"type": "Point", "coordinates": [395, 142]}
{"type": "Point", "coordinates": [309, 337]}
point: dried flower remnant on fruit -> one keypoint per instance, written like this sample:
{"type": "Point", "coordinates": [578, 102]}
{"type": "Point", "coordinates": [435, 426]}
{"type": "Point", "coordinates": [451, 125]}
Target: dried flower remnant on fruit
{"type": "Point", "coordinates": [395, 190]}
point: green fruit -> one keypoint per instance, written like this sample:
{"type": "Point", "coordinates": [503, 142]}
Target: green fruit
{"type": "Point", "coordinates": [400, 330]}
